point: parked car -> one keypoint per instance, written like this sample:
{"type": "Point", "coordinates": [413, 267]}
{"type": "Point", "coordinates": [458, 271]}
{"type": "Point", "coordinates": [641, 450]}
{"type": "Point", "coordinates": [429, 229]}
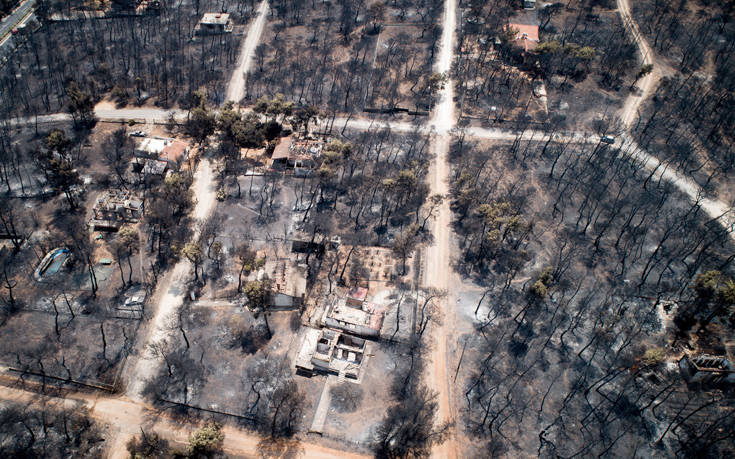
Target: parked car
{"type": "Point", "coordinates": [607, 139]}
{"type": "Point", "coordinates": [138, 134]}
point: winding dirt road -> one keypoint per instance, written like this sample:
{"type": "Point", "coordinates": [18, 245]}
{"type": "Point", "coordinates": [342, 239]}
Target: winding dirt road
{"type": "Point", "coordinates": [715, 208]}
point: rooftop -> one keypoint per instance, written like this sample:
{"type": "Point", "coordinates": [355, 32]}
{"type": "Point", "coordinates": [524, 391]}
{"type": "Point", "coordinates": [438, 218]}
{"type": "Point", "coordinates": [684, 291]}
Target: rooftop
{"type": "Point", "coordinates": [215, 18]}
{"type": "Point", "coordinates": [369, 316]}
{"type": "Point", "coordinates": [527, 35]}
{"type": "Point", "coordinates": [331, 351]}
{"type": "Point", "coordinates": [290, 148]}
{"type": "Point", "coordinates": [356, 296]}
{"type": "Point", "coordinates": [282, 150]}
{"type": "Point", "coordinates": [170, 150]}
{"type": "Point", "coordinates": [707, 362]}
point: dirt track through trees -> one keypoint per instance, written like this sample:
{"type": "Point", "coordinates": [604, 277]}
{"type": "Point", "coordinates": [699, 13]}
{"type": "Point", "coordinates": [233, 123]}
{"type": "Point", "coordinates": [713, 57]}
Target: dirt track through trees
{"type": "Point", "coordinates": [171, 290]}
{"type": "Point", "coordinates": [438, 269]}
{"type": "Point", "coordinates": [128, 417]}
{"type": "Point", "coordinates": [173, 287]}
{"type": "Point", "coordinates": [715, 208]}
{"type": "Point", "coordinates": [236, 88]}
{"type": "Point", "coordinates": [646, 84]}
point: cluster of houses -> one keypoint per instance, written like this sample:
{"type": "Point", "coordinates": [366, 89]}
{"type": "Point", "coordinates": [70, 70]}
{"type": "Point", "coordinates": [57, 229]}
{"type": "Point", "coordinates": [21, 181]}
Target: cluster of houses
{"type": "Point", "coordinates": [153, 156]}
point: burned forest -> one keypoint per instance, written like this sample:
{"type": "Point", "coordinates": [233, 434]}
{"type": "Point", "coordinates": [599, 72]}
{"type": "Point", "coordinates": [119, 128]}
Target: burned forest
{"type": "Point", "coordinates": [367, 228]}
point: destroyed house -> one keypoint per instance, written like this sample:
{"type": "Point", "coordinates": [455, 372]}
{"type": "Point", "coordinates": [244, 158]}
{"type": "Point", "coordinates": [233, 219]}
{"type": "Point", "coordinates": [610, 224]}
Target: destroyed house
{"type": "Point", "coordinates": [172, 151]}
{"type": "Point", "coordinates": [356, 297]}
{"type": "Point", "coordinates": [214, 23]}
{"type": "Point", "coordinates": [288, 283]}
{"type": "Point", "coordinates": [302, 246]}
{"type": "Point", "coordinates": [148, 6]}
{"type": "Point", "coordinates": [297, 155]}
{"type": "Point", "coordinates": [149, 167]}
{"type": "Point", "coordinates": [114, 208]}
{"type": "Point", "coordinates": [331, 352]}
{"type": "Point", "coordinates": [707, 369]}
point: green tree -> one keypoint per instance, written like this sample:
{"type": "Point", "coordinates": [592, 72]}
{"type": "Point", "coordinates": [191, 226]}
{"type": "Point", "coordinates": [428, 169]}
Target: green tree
{"type": "Point", "coordinates": [58, 142]}
{"type": "Point", "coordinates": [177, 194]}
{"type": "Point", "coordinates": [404, 244]}
{"type": "Point", "coordinates": [705, 285]}
{"type": "Point", "coordinates": [258, 293]}
{"type": "Point", "coordinates": [259, 296]}
{"type": "Point", "coordinates": [540, 288]}
{"type": "Point", "coordinates": [129, 240]}
{"type": "Point", "coordinates": [193, 253]}
{"type": "Point", "coordinates": [247, 259]}
{"type": "Point", "coordinates": [714, 296]}
{"type": "Point", "coordinates": [653, 356]}
{"type": "Point", "coordinates": [302, 116]}
{"type": "Point", "coordinates": [248, 132]}
{"type": "Point", "coordinates": [64, 177]}
{"type": "Point", "coordinates": [148, 446]}
{"type": "Point", "coordinates": [207, 441]}
{"type": "Point", "coordinates": [201, 124]}
{"type": "Point", "coordinates": [273, 108]}
{"type": "Point", "coordinates": [81, 105]}
{"type": "Point", "coordinates": [228, 119]}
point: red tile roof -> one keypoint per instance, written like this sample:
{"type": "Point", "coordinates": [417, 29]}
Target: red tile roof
{"type": "Point", "coordinates": [527, 35]}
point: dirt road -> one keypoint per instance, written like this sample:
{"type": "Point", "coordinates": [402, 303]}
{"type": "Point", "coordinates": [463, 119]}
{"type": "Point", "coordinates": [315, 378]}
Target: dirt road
{"type": "Point", "coordinates": [646, 84]}
{"type": "Point", "coordinates": [170, 291]}
{"type": "Point", "coordinates": [236, 88]}
{"type": "Point", "coordinates": [438, 271]}
{"type": "Point", "coordinates": [127, 417]}
{"type": "Point", "coordinates": [172, 288]}
{"type": "Point", "coordinates": [715, 209]}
